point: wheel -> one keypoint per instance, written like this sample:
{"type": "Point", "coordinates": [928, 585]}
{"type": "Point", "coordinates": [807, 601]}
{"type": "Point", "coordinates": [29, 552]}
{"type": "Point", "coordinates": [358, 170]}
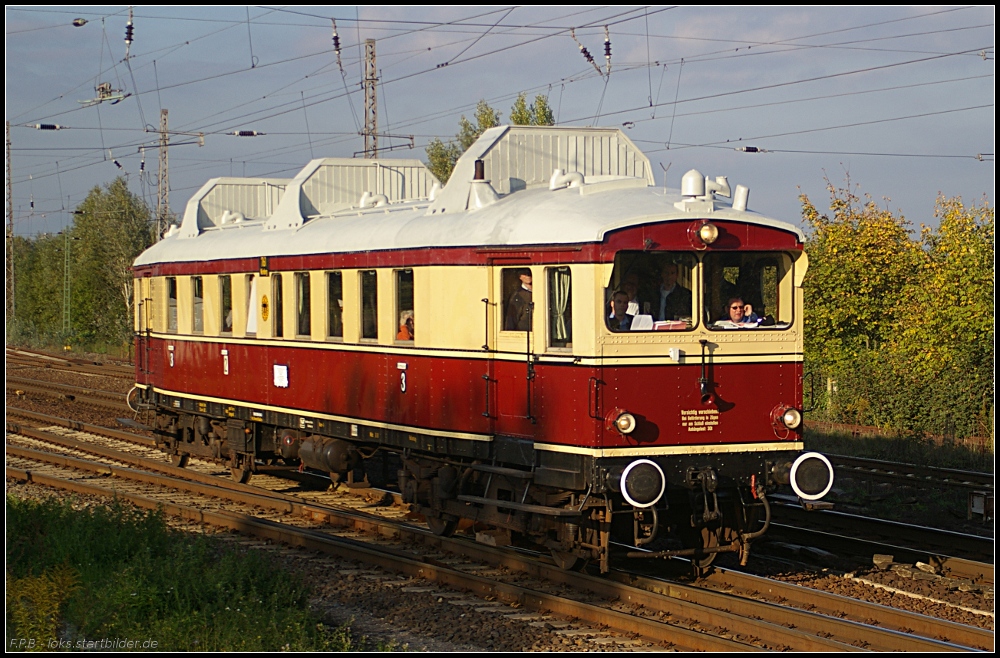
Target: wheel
{"type": "Point", "coordinates": [441, 527]}
{"type": "Point", "coordinates": [180, 460]}
{"type": "Point", "coordinates": [563, 560]}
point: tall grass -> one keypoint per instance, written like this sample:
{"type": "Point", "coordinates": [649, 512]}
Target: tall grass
{"type": "Point", "coordinates": [115, 572]}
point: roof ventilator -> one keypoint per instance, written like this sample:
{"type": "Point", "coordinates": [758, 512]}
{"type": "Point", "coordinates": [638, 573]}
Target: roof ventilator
{"type": "Point", "coordinates": [369, 200]}
{"type": "Point", "coordinates": [561, 179]}
{"type": "Point", "coordinates": [699, 193]}
{"type": "Point", "coordinates": [481, 193]}
{"type": "Point", "coordinates": [232, 217]}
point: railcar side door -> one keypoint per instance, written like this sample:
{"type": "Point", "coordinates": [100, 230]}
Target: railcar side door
{"type": "Point", "coordinates": [516, 325]}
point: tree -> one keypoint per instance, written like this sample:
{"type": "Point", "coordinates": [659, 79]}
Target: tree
{"type": "Point", "coordinates": [902, 327]}
{"type": "Point", "coordinates": [441, 157]}
{"type": "Point", "coordinates": [113, 226]}
{"type": "Point", "coordinates": [538, 114]}
{"type": "Point", "coordinates": [861, 259]}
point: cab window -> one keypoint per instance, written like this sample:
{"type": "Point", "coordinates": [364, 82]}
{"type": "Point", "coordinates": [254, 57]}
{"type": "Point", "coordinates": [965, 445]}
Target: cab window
{"type": "Point", "coordinates": [198, 303]}
{"type": "Point", "coordinates": [658, 288]}
{"type": "Point", "coordinates": [747, 290]}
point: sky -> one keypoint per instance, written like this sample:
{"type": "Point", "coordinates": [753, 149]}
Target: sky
{"type": "Point", "coordinates": [895, 102]}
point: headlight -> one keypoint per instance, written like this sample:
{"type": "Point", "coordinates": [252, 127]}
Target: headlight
{"type": "Point", "coordinates": [625, 423]}
{"type": "Point", "coordinates": [708, 233]}
{"type": "Point", "coordinates": [792, 418]}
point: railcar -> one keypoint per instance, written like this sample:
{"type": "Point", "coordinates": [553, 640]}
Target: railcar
{"type": "Point", "coordinates": [470, 333]}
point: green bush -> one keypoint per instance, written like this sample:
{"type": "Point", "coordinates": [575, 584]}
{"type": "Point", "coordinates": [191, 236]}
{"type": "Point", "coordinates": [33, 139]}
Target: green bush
{"type": "Point", "coordinates": [135, 578]}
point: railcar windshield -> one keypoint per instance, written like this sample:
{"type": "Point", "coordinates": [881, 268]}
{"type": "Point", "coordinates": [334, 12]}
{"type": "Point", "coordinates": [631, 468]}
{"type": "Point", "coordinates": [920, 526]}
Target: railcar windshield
{"type": "Point", "coordinates": [653, 291]}
{"type": "Point", "coordinates": [747, 290]}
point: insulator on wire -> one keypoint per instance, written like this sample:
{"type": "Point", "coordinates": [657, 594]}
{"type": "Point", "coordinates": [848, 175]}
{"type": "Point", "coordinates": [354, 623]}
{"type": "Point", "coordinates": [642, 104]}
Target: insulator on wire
{"type": "Point", "coordinates": [607, 48]}
{"type": "Point", "coordinates": [48, 126]}
{"type": "Point", "coordinates": [586, 53]}
{"type": "Point", "coordinates": [118, 164]}
{"type": "Point", "coordinates": [129, 29]}
{"type": "Point", "coordinates": [246, 133]}
{"type": "Point", "coordinates": [751, 149]}
{"type": "Point", "coordinates": [336, 45]}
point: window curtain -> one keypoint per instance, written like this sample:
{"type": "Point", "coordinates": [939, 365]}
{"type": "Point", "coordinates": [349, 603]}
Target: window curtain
{"type": "Point", "coordinates": [560, 285]}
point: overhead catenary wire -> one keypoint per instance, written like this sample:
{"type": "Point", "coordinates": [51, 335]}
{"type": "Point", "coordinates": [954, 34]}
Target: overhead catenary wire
{"type": "Point", "coordinates": [313, 134]}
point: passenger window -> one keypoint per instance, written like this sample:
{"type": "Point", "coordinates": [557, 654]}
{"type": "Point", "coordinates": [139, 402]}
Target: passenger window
{"type": "Point", "coordinates": [172, 304]}
{"type": "Point", "coordinates": [197, 293]}
{"type": "Point", "coordinates": [746, 290]}
{"type": "Point", "coordinates": [303, 310]}
{"type": "Point", "coordinates": [658, 289]}
{"type": "Point", "coordinates": [518, 307]}
{"type": "Point", "coordinates": [278, 306]}
{"type": "Point", "coordinates": [560, 307]}
{"type": "Point", "coordinates": [251, 283]}
{"type": "Point", "coordinates": [404, 304]}
{"type": "Point", "coordinates": [226, 295]}
{"type": "Point", "coordinates": [369, 304]}
{"type": "Point", "coordinates": [335, 304]}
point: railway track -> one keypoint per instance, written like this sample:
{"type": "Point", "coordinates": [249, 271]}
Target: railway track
{"type": "Point", "coordinates": [848, 635]}
{"type": "Point", "coordinates": [865, 537]}
{"type": "Point", "coordinates": [911, 474]}
{"type": "Point", "coordinates": [70, 364]}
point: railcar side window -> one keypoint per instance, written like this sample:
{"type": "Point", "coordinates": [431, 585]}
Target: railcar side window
{"type": "Point", "coordinates": [747, 290]}
{"type": "Point", "coordinates": [518, 308]}
{"type": "Point", "coordinates": [369, 304]}
{"type": "Point", "coordinates": [251, 281]}
{"type": "Point", "coordinates": [404, 304]}
{"type": "Point", "coordinates": [658, 285]}
{"type": "Point", "coordinates": [226, 295]}
{"type": "Point", "coordinates": [303, 304]}
{"type": "Point", "coordinates": [335, 304]}
{"type": "Point", "coordinates": [279, 306]}
{"type": "Point", "coordinates": [198, 296]}
{"type": "Point", "coordinates": [560, 307]}
{"type": "Point", "coordinates": [172, 304]}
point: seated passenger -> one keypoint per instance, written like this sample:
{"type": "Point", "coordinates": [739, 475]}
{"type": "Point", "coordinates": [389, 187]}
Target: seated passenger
{"type": "Point", "coordinates": [739, 313]}
{"type": "Point", "coordinates": [405, 326]}
{"type": "Point", "coordinates": [621, 319]}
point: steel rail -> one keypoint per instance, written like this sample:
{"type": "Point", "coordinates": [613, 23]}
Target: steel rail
{"type": "Point", "coordinates": [867, 534]}
{"type": "Point", "coordinates": [821, 604]}
{"type": "Point", "coordinates": [807, 624]}
{"type": "Point", "coordinates": [68, 389]}
{"type": "Point", "coordinates": [913, 474]}
{"type": "Point", "coordinates": [409, 565]}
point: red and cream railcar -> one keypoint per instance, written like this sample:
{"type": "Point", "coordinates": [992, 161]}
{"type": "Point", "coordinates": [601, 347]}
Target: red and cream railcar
{"type": "Point", "coordinates": [360, 309]}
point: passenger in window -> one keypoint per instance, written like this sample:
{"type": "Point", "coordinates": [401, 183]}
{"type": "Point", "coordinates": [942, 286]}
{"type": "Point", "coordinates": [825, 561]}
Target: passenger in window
{"type": "Point", "coordinates": [630, 286]}
{"type": "Point", "coordinates": [519, 306]}
{"type": "Point", "coordinates": [674, 302]}
{"type": "Point", "coordinates": [739, 312]}
{"type": "Point", "coordinates": [405, 326]}
{"type": "Point", "coordinates": [621, 319]}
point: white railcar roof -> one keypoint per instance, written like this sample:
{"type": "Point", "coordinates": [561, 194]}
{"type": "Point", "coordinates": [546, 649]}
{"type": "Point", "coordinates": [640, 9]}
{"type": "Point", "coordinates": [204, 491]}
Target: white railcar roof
{"type": "Point", "coordinates": [527, 217]}
{"type": "Point", "coordinates": [610, 188]}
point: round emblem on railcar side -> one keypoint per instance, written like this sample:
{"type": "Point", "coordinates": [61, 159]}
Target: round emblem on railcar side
{"type": "Point", "coordinates": [265, 309]}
